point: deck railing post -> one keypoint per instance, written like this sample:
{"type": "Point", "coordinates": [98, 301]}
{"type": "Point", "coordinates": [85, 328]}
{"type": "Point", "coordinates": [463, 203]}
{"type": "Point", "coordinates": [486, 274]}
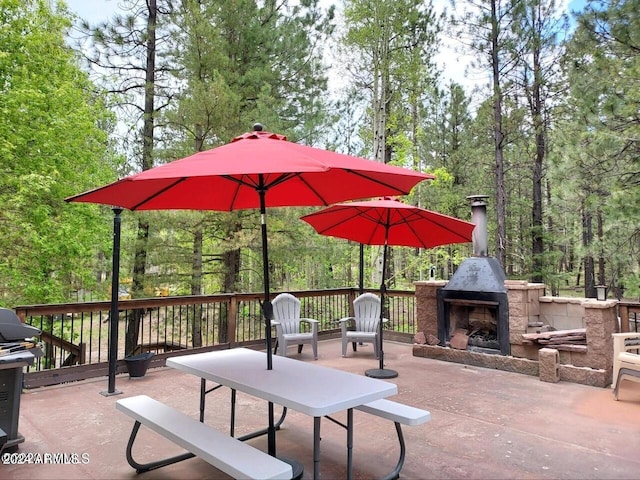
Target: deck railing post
{"type": "Point", "coordinates": [232, 315]}
{"type": "Point", "coordinates": [114, 316]}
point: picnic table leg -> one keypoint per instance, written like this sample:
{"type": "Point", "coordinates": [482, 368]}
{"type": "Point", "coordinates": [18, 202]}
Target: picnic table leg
{"type": "Point", "coordinates": [232, 421]}
{"type": "Point", "coordinates": [233, 412]}
{"type": "Point", "coordinates": [271, 433]}
{"type": "Point", "coordinates": [395, 474]}
{"type": "Point", "coordinates": [203, 394]}
{"type": "Point", "coordinates": [316, 447]}
{"type": "Point", "coordinates": [145, 467]}
{"type": "Point", "coordinates": [350, 444]}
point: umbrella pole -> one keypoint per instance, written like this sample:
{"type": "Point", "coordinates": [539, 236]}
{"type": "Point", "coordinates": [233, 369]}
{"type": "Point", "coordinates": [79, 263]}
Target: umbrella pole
{"type": "Point", "coordinates": [382, 372]}
{"type": "Point", "coordinates": [267, 310]}
{"type": "Point", "coordinates": [113, 316]}
{"type": "Point", "coordinates": [268, 313]}
{"type": "Point", "coordinates": [361, 273]}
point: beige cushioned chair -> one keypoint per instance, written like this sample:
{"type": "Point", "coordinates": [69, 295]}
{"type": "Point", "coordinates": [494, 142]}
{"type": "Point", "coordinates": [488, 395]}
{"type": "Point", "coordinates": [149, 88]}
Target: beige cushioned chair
{"type": "Point", "coordinates": [286, 319]}
{"type": "Point", "coordinates": [626, 359]}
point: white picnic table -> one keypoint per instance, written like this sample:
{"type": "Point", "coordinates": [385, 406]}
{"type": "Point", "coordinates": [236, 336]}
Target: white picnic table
{"type": "Point", "coordinates": [307, 388]}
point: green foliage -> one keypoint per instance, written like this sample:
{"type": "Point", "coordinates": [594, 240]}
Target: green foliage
{"type": "Point", "coordinates": [388, 48]}
{"type": "Point", "coordinates": [631, 283]}
{"type": "Point", "coordinates": [598, 163]}
{"type": "Point", "coordinates": [224, 65]}
{"type": "Point", "coordinates": [233, 63]}
{"type": "Point", "coordinates": [52, 146]}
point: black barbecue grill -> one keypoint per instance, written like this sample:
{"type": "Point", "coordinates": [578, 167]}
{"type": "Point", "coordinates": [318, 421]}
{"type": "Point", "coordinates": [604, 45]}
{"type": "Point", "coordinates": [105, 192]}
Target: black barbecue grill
{"type": "Point", "coordinates": [12, 329]}
{"type": "Point", "coordinates": [15, 354]}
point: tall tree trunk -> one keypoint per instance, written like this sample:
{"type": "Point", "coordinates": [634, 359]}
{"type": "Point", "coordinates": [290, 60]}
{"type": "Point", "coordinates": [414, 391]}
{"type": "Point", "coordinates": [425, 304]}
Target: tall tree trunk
{"type": "Point", "coordinates": [536, 211]}
{"type": "Point", "coordinates": [587, 237]}
{"type": "Point", "coordinates": [379, 119]}
{"type": "Point", "coordinates": [498, 136]}
{"type": "Point", "coordinates": [139, 269]}
{"type": "Point", "coordinates": [196, 285]}
{"type": "Point", "coordinates": [555, 286]}
{"type": "Point", "coordinates": [196, 259]}
{"type": "Point", "coordinates": [381, 101]}
{"type": "Point", "coordinates": [602, 277]}
{"type": "Point", "coordinates": [231, 272]}
{"type": "Point", "coordinates": [537, 246]}
{"type": "Point", "coordinates": [231, 262]}
{"type": "Point", "coordinates": [388, 94]}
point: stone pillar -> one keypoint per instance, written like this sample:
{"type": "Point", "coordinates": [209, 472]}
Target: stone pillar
{"type": "Point", "coordinates": [518, 310]}
{"type": "Point", "coordinates": [524, 311]}
{"type": "Point", "coordinates": [600, 321]}
{"type": "Point", "coordinates": [549, 364]}
{"type": "Point", "coordinates": [427, 306]}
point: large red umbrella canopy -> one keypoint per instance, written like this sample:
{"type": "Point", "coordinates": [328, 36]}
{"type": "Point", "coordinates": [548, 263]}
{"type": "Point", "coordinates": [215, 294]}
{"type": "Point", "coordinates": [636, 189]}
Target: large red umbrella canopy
{"type": "Point", "coordinates": [231, 177]}
{"type": "Point", "coordinates": [389, 221]}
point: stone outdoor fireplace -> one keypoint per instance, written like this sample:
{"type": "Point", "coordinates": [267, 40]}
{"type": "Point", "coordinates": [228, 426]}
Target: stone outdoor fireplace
{"type": "Point", "coordinates": [479, 318]}
{"type": "Point", "coordinates": [473, 307]}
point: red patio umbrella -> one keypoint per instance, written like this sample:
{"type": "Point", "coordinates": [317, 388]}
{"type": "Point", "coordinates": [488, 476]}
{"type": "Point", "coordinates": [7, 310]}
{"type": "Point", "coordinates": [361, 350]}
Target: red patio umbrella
{"type": "Point", "coordinates": [235, 176]}
{"type": "Point", "coordinates": [389, 222]}
{"type": "Point", "coordinates": [255, 170]}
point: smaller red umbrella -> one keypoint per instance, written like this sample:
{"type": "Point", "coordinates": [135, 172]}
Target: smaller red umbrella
{"type": "Point", "coordinates": [387, 222]}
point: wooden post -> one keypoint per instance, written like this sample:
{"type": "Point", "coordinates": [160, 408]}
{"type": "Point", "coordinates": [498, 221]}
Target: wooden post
{"type": "Point", "coordinates": [623, 311]}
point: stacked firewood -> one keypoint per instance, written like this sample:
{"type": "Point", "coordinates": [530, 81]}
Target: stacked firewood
{"type": "Point", "coordinates": [570, 340]}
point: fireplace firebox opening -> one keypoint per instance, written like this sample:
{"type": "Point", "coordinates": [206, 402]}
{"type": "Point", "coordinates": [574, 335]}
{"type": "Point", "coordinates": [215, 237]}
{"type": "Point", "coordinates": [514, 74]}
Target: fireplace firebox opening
{"type": "Point", "coordinates": [481, 317]}
{"type": "Point", "coordinates": [477, 323]}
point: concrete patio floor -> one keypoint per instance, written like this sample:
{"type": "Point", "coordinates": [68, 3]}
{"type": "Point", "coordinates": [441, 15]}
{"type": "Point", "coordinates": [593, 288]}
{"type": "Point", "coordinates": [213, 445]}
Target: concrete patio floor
{"type": "Point", "coordinates": [486, 424]}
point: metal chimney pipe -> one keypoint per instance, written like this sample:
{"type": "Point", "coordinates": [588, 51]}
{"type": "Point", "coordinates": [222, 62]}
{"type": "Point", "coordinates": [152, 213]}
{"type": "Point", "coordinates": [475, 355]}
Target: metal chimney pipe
{"type": "Point", "coordinates": [479, 218]}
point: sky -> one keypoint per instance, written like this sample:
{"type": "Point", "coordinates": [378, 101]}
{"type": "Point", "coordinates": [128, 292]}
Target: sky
{"type": "Point", "coordinates": [96, 11]}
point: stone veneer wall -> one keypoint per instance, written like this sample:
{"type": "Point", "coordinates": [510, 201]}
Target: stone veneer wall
{"type": "Point", "coordinates": [528, 310]}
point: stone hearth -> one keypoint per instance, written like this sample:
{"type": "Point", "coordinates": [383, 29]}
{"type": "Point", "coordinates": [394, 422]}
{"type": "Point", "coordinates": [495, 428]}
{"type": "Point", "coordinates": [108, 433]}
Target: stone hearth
{"type": "Point", "coordinates": [530, 312]}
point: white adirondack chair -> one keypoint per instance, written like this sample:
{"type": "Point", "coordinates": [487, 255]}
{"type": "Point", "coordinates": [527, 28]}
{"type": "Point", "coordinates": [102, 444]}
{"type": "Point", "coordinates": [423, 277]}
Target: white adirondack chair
{"type": "Point", "coordinates": [364, 323]}
{"type": "Point", "coordinates": [286, 313]}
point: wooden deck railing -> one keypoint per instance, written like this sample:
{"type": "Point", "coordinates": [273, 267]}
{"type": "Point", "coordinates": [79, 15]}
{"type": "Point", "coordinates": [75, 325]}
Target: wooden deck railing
{"type": "Point", "coordinates": [77, 353]}
{"type": "Point", "coordinates": [629, 313]}
{"type": "Point", "coordinates": [75, 335]}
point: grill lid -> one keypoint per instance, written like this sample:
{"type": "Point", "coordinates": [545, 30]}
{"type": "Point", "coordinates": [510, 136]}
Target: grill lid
{"type": "Point", "coordinates": [12, 329]}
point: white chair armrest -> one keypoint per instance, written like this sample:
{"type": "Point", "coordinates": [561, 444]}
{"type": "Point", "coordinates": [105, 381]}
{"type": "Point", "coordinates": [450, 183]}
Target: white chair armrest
{"type": "Point", "coordinates": [619, 340]}
{"type": "Point", "coordinates": [626, 335]}
{"type": "Point", "coordinates": [344, 322]}
{"type": "Point", "coordinates": [313, 322]}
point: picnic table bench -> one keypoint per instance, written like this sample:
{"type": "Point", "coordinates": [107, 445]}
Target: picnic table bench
{"type": "Point", "coordinates": [226, 453]}
{"type": "Point", "coordinates": [400, 414]}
